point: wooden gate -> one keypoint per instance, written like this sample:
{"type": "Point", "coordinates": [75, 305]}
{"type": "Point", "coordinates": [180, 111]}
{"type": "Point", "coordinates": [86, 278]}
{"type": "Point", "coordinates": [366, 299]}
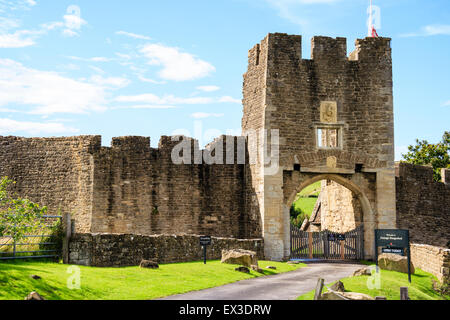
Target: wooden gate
{"type": "Point", "coordinates": [327, 245]}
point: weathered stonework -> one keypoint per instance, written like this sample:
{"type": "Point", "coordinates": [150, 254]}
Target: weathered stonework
{"type": "Point", "coordinates": [131, 188]}
{"type": "Point", "coordinates": [284, 92]}
{"type": "Point", "coordinates": [114, 250]}
{"type": "Point", "coordinates": [341, 208]}
{"type": "Point", "coordinates": [432, 259]}
{"type": "Point", "coordinates": [423, 205]}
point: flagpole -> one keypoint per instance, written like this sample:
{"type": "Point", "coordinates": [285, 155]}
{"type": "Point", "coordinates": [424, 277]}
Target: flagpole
{"type": "Point", "coordinates": [369, 33]}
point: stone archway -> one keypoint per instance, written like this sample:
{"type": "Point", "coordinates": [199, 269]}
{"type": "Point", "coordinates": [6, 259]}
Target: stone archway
{"type": "Point", "coordinates": [366, 207]}
{"type": "Point", "coordinates": [329, 115]}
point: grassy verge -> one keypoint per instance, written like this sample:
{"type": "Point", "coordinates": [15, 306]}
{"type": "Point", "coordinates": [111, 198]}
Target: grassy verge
{"type": "Point", "coordinates": [128, 283]}
{"type": "Point", "coordinates": [421, 287]}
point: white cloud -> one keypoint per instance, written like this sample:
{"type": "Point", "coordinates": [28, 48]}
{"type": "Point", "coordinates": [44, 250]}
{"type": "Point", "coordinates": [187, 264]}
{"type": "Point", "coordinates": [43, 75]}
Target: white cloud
{"type": "Point", "coordinates": [93, 59]}
{"type": "Point", "coordinates": [430, 30]}
{"type": "Point", "coordinates": [150, 98]}
{"type": "Point", "coordinates": [123, 56]}
{"type": "Point", "coordinates": [230, 100]}
{"type": "Point", "coordinates": [8, 23]}
{"type": "Point", "coordinates": [15, 40]}
{"type": "Point", "coordinates": [203, 115]}
{"type": "Point", "coordinates": [167, 99]}
{"type": "Point", "coordinates": [144, 106]}
{"type": "Point", "coordinates": [133, 35]}
{"type": "Point", "coordinates": [12, 38]}
{"type": "Point", "coordinates": [115, 82]}
{"type": "Point", "coordinates": [97, 69]}
{"type": "Point", "coordinates": [144, 79]}
{"type": "Point", "coordinates": [6, 110]}
{"type": "Point", "coordinates": [176, 65]}
{"type": "Point", "coordinates": [12, 5]}
{"type": "Point", "coordinates": [447, 103]}
{"type": "Point", "coordinates": [47, 92]}
{"type": "Point", "coordinates": [73, 22]}
{"type": "Point", "coordinates": [9, 126]}
{"type": "Point", "coordinates": [208, 88]}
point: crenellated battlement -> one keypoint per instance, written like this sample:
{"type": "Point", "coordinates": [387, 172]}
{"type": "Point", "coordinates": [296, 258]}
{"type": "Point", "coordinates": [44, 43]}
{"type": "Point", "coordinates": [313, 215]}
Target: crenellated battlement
{"type": "Point", "coordinates": [326, 48]}
{"type": "Point", "coordinates": [322, 48]}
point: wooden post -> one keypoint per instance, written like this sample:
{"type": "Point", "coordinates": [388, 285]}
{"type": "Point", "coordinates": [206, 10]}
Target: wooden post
{"type": "Point", "coordinates": [310, 245]}
{"type": "Point", "coordinates": [319, 288]}
{"type": "Point", "coordinates": [404, 293]}
{"type": "Point", "coordinates": [342, 249]}
{"type": "Point", "coordinates": [67, 223]}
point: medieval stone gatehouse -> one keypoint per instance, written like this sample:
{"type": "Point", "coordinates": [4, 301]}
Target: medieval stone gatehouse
{"type": "Point", "coordinates": [328, 118]}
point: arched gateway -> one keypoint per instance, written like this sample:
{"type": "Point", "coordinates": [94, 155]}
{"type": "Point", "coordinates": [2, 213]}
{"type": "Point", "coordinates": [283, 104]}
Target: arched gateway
{"type": "Point", "coordinates": [325, 118]}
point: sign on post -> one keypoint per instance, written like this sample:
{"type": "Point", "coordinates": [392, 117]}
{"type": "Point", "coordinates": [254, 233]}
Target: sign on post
{"type": "Point", "coordinates": [204, 242]}
{"type": "Point", "coordinates": [393, 241]}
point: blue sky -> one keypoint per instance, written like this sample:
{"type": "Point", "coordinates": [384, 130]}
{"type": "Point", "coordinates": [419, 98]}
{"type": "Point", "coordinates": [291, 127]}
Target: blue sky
{"type": "Point", "coordinates": [155, 68]}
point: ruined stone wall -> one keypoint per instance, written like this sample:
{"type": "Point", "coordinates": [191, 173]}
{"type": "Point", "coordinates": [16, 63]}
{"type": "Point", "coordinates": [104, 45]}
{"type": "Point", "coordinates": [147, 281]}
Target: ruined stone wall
{"type": "Point", "coordinates": [254, 95]}
{"type": "Point", "coordinates": [130, 187]}
{"type": "Point", "coordinates": [340, 208]}
{"type": "Point", "coordinates": [423, 205]}
{"type": "Point", "coordinates": [56, 172]}
{"type": "Point", "coordinates": [114, 250]}
{"type": "Point", "coordinates": [140, 190]}
{"type": "Point", "coordinates": [432, 259]}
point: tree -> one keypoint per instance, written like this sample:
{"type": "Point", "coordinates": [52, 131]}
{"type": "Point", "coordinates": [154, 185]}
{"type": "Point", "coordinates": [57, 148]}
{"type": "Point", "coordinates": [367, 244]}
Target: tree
{"type": "Point", "coordinates": [18, 217]}
{"type": "Point", "coordinates": [437, 155]}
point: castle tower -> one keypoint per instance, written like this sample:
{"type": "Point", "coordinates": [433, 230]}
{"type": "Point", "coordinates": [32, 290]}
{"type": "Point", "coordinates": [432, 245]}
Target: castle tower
{"type": "Point", "coordinates": [299, 102]}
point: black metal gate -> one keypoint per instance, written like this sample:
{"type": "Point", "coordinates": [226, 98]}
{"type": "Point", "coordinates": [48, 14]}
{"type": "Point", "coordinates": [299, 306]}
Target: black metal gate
{"type": "Point", "coordinates": [327, 245]}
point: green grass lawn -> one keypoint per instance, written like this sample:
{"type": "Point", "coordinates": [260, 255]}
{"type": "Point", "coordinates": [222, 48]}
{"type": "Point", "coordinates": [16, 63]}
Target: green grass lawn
{"type": "Point", "coordinates": [311, 190]}
{"type": "Point", "coordinates": [305, 205]}
{"type": "Point", "coordinates": [306, 200]}
{"type": "Point", "coordinates": [421, 287]}
{"type": "Point", "coordinates": [128, 283]}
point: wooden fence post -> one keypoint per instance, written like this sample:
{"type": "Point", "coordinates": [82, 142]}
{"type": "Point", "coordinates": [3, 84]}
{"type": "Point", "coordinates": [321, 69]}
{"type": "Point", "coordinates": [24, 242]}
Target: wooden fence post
{"type": "Point", "coordinates": [310, 244]}
{"type": "Point", "coordinates": [404, 293]}
{"type": "Point", "coordinates": [319, 288]}
{"type": "Point", "coordinates": [67, 223]}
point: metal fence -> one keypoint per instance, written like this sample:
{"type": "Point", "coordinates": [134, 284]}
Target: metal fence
{"type": "Point", "coordinates": [47, 244]}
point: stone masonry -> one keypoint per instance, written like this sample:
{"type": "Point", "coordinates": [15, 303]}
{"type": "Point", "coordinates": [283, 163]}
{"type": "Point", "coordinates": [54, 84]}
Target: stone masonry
{"type": "Point", "coordinates": [114, 250]}
{"type": "Point", "coordinates": [298, 98]}
{"type": "Point", "coordinates": [423, 205]}
{"type": "Point", "coordinates": [327, 118]}
{"type": "Point", "coordinates": [130, 187]}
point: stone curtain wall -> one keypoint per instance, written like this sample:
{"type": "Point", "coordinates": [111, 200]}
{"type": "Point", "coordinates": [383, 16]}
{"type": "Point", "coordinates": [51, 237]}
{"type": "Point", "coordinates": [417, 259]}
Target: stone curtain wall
{"type": "Point", "coordinates": [130, 187]}
{"type": "Point", "coordinates": [340, 208]}
{"type": "Point", "coordinates": [139, 190]}
{"type": "Point", "coordinates": [56, 172]}
{"type": "Point", "coordinates": [423, 205]}
{"type": "Point", "coordinates": [432, 259]}
{"type": "Point", "coordinates": [114, 250]}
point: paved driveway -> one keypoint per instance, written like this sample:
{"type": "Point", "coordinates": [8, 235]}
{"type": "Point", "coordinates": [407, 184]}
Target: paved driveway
{"type": "Point", "coordinates": [285, 286]}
